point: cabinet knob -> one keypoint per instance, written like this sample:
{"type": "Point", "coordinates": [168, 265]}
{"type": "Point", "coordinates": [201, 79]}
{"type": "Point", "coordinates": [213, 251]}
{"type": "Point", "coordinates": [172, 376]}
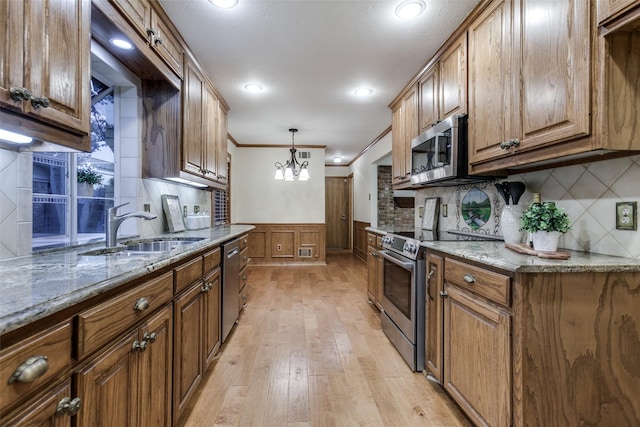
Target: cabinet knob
{"type": "Point", "coordinates": [39, 101]}
{"type": "Point", "coordinates": [469, 278]}
{"type": "Point", "coordinates": [444, 294]}
{"type": "Point", "coordinates": [20, 93]}
{"type": "Point", "coordinates": [68, 406]}
{"type": "Point", "coordinates": [30, 370]}
{"type": "Point", "coordinates": [139, 345]}
{"type": "Point", "coordinates": [150, 337]}
{"type": "Point", "coordinates": [141, 305]}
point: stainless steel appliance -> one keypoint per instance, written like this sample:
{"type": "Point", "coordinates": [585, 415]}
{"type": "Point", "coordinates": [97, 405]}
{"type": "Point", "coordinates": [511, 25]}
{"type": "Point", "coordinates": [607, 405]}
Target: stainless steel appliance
{"type": "Point", "coordinates": [230, 285]}
{"type": "Point", "coordinates": [402, 316]}
{"type": "Point", "coordinates": [439, 155]}
{"type": "Point", "coordinates": [404, 282]}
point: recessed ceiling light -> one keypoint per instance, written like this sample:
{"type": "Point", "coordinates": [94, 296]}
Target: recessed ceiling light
{"type": "Point", "coordinates": [121, 43]}
{"type": "Point", "coordinates": [253, 87]}
{"type": "Point", "coordinates": [363, 91]}
{"type": "Point", "coordinates": [337, 160]}
{"type": "Point", "coordinates": [410, 9]}
{"type": "Point", "coordinates": [14, 138]}
{"type": "Point", "coordinates": [224, 4]}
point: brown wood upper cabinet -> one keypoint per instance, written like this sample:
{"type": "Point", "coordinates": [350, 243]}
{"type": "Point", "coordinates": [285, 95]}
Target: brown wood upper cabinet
{"type": "Point", "coordinates": [204, 127]}
{"type": "Point", "coordinates": [404, 128]}
{"type": "Point", "coordinates": [543, 85]}
{"type": "Point", "coordinates": [45, 71]}
{"type": "Point", "coordinates": [611, 9]}
{"type": "Point", "coordinates": [154, 30]}
{"type": "Point", "coordinates": [443, 87]}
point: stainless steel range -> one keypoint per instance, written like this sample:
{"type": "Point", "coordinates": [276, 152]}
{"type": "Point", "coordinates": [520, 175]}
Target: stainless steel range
{"type": "Point", "coordinates": [402, 314]}
{"type": "Point", "coordinates": [403, 297]}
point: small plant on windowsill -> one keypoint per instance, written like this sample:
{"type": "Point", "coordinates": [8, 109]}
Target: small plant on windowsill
{"type": "Point", "coordinates": [546, 222]}
{"type": "Point", "coordinates": [89, 175]}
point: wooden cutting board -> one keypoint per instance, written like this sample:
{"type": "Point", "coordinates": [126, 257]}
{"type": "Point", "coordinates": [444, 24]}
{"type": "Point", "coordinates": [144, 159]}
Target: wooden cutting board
{"type": "Point", "coordinates": [523, 248]}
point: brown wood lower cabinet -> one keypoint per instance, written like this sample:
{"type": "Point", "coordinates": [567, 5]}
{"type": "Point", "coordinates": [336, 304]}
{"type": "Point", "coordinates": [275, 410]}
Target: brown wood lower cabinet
{"type": "Point", "coordinates": [287, 243]}
{"type": "Point", "coordinates": [44, 410]}
{"type": "Point", "coordinates": [375, 270]}
{"type": "Point", "coordinates": [129, 383]}
{"type": "Point", "coordinates": [534, 349]}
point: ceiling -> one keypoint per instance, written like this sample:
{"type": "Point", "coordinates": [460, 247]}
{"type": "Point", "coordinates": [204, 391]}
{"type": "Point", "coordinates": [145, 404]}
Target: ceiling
{"type": "Point", "coordinates": [310, 56]}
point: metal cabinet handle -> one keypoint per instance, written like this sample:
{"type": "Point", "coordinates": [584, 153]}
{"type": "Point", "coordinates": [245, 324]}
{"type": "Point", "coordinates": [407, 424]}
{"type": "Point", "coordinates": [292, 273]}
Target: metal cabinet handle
{"type": "Point", "coordinates": [150, 337]}
{"type": "Point", "coordinates": [515, 142]}
{"type": "Point", "coordinates": [431, 273]}
{"type": "Point", "coordinates": [157, 41]}
{"type": "Point", "coordinates": [30, 370]}
{"type": "Point", "coordinates": [68, 406]}
{"type": "Point", "coordinates": [141, 305]}
{"type": "Point", "coordinates": [444, 294]}
{"type": "Point", "coordinates": [151, 32]}
{"type": "Point", "coordinates": [20, 93]}
{"type": "Point", "coordinates": [469, 278]}
{"type": "Point", "coordinates": [39, 101]}
{"type": "Point", "coordinates": [139, 345]}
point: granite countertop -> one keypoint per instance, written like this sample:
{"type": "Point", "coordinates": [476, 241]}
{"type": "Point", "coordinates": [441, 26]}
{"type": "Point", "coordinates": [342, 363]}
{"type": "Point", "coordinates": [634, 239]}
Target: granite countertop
{"type": "Point", "coordinates": [494, 253]}
{"type": "Point", "coordinates": [35, 286]}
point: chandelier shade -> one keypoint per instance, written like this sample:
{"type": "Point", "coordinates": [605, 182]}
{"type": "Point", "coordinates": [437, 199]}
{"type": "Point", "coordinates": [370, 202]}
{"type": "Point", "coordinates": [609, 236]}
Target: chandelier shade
{"type": "Point", "coordinates": [292, 168]}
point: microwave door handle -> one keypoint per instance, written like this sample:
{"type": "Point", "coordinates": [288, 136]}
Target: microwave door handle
{"type": "Point", "coordinates": [437, 163]}
{"type": "Point", "coordinates": [390, 258]}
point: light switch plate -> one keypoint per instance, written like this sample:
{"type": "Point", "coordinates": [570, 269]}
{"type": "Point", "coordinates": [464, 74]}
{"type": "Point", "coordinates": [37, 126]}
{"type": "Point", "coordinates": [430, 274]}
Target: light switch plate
{"type": "Point", "coordinates": [627, 215]}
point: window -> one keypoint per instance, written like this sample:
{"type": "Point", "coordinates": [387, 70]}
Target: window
{"type": "Point", "coordinates": [221, 207]}
{"type": "Point", "coordinates": [66, 212]}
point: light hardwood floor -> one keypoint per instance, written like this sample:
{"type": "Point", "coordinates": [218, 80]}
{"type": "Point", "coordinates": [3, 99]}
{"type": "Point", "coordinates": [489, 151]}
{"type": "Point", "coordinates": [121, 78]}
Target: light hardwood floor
{"type": "Point", "coordinates": [308, 351]}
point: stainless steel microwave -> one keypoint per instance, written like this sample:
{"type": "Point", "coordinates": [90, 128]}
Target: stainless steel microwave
{"type": "Point", "coordinates": [439, 155]}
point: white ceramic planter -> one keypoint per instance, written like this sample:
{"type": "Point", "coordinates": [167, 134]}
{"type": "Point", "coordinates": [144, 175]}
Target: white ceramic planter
{"type": "Point", "coordinates": [545, 241]}
{"type": "Point", "coordinates": [510, 223]}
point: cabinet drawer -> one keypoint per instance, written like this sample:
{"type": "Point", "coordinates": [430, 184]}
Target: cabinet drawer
{"type": "Point", "coordinates": [371, 239]}
{"type": "Point", "coordinates": [187, 273]}
{"type": "Point", "coordinates": [243, 296]}
{"type": "Point", "coordinates": [53, 344]}
{"type": "Point", "coordinates": [494, 286]}
{"type": "Point", "coordinates": [244, 259]}
{"type": "Point", "coordinates": [100, 324]}
{"type": "Point", "coordinates": [244, 241]}
{"type": "Point", "coordinates": [211, 260]}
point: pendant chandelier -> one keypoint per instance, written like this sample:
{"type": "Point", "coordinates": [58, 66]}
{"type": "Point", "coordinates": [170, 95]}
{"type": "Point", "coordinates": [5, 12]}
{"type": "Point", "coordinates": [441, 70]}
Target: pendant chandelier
{"type": "Point", "coordinates": [292, 168]}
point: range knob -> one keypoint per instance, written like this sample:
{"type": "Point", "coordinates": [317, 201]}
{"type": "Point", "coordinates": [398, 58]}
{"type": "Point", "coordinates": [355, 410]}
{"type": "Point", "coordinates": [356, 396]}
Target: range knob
{"type": "Point", "coordinates": [410, 247]}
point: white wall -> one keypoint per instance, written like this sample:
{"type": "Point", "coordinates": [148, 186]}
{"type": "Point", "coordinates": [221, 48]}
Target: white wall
{"type": "Point", "coordinates": [336, 171]}
{"type": "Point", "coordinates": [257, 198]}
{"type": "Point", "coordinates": [365, 185]}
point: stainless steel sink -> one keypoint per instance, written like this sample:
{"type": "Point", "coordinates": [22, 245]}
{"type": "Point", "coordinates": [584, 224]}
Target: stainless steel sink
{"type": "Point", "coordinates": [145, 246]}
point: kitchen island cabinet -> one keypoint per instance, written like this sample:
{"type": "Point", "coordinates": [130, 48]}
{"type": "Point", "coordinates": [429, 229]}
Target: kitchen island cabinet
{"type": "Point", "coordinates": [45, 72]}
{"type": "Point", "coordinates": [546, 342]}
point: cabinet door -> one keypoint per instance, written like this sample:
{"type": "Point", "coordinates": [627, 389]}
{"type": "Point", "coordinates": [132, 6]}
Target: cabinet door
{"type": "Point", "coordinates": [453, 79]}
{"type": "Point", "coordinates": [429, 103]}
{"type": "Point", "coordinates": [211, 313]}
{"type": "Point", "coordinates": [397, 145]}
{"type": "Point", "coordinates": [193, 119]}
{"type": "Point", "coordinates": [166, 45]}
{"type": "Point", "coordinates": [433, 316]}
{"type": "Point", "coordinates": [221, 145]}
{"type": "Point", "coordinates": [554, 71]}
{"type": "Point", "coordinates": [138, 13]}
{"type": "Point", "coordinates": [46, 44]}
{"type": "Point", "coordinates": [477, 369]}
{"type": "Point", "coordinates": [371, 274]}
{"type": "Point", "coordinates": [154, 370]}
{"type": "Point", "coordinates": [490, 82]}
{"type": "Point", "coordinates": [210, 103]}
{"type": "Point", "coordinates": [187, 361]}
{"type": "Point", "coordinates": [43, 412]}
{"type": "Point", "coordinates": [610, 8]}
{"type": "Point", "coordinates": [379, 280]}
{"type": "Point", "coordinates": [108, 387]}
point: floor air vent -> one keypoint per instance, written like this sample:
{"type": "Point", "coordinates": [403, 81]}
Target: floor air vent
{"type": "Point", "coordinates": [305, 252]}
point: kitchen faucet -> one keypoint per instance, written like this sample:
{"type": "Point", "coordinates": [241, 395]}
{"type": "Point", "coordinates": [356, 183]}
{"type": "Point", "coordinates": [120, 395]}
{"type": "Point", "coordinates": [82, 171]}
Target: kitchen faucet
{"type": "Point", "coordinates": [113, 222]}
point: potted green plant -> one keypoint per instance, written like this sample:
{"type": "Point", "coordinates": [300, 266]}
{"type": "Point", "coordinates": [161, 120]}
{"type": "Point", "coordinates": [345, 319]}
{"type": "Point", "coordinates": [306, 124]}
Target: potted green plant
{"type": "Point", "coordinates": [546, 222]}
{"type": "Point", "coordinates": [87, 177]}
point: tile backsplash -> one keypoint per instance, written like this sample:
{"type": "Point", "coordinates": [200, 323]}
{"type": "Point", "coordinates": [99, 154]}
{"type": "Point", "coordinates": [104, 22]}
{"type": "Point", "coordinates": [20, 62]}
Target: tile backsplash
{"type": "Point", "coordinates": [587, 192]}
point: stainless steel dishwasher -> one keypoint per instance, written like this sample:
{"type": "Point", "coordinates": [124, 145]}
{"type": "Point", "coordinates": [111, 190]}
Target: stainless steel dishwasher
{"type": "Point", "coordinates": [230, 285]}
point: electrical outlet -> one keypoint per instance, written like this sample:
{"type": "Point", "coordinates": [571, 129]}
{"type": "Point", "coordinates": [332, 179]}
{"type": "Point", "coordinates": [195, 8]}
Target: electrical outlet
{"type": "Point", "coordinates": [147, 207]}
{"type": "Point", "coordinates": [445, 210]}
{"type": "Point", "coordinates": [627, 215]}
{"type": "Point", "coordinates": [196, 209]}
{"type": "Point", "coordinates": [278, 247]}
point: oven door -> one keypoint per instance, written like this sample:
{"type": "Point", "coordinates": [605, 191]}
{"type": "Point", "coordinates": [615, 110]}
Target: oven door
{"type": "Point", "coordinates": [399, 292]}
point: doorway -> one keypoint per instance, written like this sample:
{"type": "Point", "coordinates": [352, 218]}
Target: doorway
{"type": "Point", "coordinates": [337, 213]}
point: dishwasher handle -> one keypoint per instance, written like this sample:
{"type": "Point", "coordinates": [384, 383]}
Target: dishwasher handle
{"type": "Point", "coordinates": [233, 252]}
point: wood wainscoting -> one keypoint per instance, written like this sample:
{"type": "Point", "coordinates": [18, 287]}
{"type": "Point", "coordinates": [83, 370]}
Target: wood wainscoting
{"type": "Point", "coordinates": [360, 239]}
{"type": "Point", "coordinates": [287, 243]}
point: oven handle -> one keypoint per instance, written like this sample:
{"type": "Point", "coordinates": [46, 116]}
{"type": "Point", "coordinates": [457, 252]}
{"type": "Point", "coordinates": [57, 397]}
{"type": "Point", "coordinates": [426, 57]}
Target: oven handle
{"type": "Point", "coordinates": [389, 256]}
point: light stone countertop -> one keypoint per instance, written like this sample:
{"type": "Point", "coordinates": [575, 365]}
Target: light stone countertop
{"type": "Point", "coordinates": [35, 286]}
{"type": "Point", "coordinates": [494, 253]}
